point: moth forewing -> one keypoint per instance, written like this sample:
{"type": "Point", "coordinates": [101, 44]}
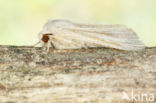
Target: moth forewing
{"type": "Point", "coordinates": [64, 34]}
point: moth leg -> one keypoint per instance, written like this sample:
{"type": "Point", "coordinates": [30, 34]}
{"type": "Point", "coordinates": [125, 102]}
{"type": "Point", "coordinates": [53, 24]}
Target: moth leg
{"type": "Point", "coordinates": [47, 51]}
{"type": "Point", "coordinates": [48, 45]}
{"type": "Point", "coordinates": [85, 46]}
{"type": "Point", "coordinates": [52, 45]}
{"type": "Point", "coordinates": [44, 47]}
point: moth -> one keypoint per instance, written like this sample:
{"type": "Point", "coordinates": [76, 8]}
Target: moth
{"type": "Point", "coordinates": [65, 34]}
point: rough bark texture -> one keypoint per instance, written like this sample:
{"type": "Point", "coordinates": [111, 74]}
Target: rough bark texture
{"type": "Point", "coordinates": [100, 75]}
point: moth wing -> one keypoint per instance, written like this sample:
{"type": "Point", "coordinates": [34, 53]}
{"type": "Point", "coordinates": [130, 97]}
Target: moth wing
{"type": "Point", "coordinates": [63, 38]}
{"type": "Point", "coordinates": [75, 35]}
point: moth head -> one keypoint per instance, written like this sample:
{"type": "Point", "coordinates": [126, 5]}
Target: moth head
{"type": "Point", "coordinates": [46, 38]}
{"type": "Point", "coordinates": [46, 41]}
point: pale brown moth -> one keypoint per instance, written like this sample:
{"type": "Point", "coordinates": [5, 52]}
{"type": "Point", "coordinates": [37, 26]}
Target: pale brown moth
{"type": "Point", "coordinates": [65, 34]}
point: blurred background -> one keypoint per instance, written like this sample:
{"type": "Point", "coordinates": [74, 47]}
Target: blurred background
{"type": "Point", "coordinates": [22, 20]}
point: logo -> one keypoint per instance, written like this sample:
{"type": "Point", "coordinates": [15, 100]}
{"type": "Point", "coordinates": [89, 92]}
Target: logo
{"type": "Point", "coordinates": [138, 97]}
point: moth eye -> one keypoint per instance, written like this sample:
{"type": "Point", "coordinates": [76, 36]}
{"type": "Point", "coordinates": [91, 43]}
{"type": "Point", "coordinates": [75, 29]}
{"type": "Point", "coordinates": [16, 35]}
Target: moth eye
{"type": "Point", "coordinates": [45, 38]}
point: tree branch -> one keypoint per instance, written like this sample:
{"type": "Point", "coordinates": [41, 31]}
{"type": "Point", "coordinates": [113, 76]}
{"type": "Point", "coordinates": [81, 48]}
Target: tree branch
{"type": "Point", "coordinates": [99, 75]}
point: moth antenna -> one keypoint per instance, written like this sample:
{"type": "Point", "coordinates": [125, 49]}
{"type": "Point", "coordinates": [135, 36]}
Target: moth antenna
{"type": "Point", "coordinates": [36, 43]}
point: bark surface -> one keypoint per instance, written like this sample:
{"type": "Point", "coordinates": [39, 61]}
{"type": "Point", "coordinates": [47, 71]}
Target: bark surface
{"type": "Point", "coordinates": [100, 75]}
